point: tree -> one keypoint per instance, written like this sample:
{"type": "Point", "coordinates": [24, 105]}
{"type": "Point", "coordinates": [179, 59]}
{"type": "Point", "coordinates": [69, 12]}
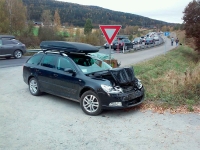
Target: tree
{"type": "Point", "coordinates": [17, 15]}
{"type": "Point", "coordinates": [46, 18]}
{"type": "Point", "coordinates": [4, 18]}
{"type": "Point", "coordinates": [191, 22]}
{"type": "Point", "coordinates": [57, 23]}
{"type": "Point", "coordinates": [88, 27]}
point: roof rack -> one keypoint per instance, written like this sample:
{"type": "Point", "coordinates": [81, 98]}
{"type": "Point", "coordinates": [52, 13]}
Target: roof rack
{"type": "Point", "coordinates": [61, 52]}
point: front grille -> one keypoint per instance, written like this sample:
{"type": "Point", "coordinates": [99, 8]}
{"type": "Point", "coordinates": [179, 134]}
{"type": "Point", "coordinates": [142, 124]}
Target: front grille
{"type": "Point", "coordinates": [127, 89]}
{"type": "Point", "coordinates": [134, 101]}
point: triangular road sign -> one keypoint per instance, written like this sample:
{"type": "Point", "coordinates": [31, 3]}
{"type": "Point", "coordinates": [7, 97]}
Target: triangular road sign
{"type": "Point", "coordinates": [110, 31]}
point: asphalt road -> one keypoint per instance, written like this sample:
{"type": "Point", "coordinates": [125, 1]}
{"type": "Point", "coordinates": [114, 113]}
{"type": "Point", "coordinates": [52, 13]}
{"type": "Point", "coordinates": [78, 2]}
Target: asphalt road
{"type": "Point", "coordinates": [12, 62]}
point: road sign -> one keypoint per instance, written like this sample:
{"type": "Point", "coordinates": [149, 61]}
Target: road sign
{"type": "Point", "coordinates": [167, 33]}
{"type": "Point", "coordinates": [110, 31]}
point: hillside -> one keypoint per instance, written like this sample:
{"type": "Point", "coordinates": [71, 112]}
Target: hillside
{"type": "Point", "coordinates": [75, 14]}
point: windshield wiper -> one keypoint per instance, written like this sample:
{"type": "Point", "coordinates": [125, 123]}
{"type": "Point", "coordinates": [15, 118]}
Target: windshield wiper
{"type": "Point", "coordinates": [96, 72]}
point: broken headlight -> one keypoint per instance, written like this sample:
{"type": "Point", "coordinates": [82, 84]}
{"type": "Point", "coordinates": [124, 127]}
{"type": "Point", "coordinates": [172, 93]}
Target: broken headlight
{"type": "Point", "coordinates": [139, 84]}
{"type": "Point", "coordinates": [111, 90]}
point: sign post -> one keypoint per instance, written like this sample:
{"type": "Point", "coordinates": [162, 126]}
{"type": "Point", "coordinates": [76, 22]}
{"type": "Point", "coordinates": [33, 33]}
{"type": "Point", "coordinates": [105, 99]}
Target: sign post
{"type": "Point", "coordinates": [110, 32]}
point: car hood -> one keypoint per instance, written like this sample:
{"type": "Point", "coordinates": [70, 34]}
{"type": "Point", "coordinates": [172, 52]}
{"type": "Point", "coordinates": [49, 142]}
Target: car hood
{"type": "Point", "coordinates": [117, 76]}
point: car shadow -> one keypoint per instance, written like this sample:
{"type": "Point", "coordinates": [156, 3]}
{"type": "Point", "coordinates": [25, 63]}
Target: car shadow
{"type": "Point", "coordinates": [105, 113]}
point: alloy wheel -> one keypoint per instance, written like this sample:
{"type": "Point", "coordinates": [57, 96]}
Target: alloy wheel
{"type": "Point", "coordinates": [90, 103]}
{"type": "Point", "coordinates": [33, 86]}
{"type": "Point", "coordinates": [18, 54]}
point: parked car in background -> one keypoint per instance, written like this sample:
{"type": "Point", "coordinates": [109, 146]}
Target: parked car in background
{"type": "Point", "coordinates": [65, 69]}
{"type": "Point", "coordinates": [137, 40]}
{"type": "Point", "coordinates": [10, 47]}
{"type": "Point", "coordinates": [106, 45]}
{"type": "Point", "coordinates": [156, 38]}
{"type": "Point", "coordinates": [122, 43]}
{"type": "Point", "coordinates": [149, 40]}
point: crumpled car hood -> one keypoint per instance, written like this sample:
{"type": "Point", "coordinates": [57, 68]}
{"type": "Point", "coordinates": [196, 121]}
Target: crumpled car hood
{"type": "Point", "coordinates": [123, 76]}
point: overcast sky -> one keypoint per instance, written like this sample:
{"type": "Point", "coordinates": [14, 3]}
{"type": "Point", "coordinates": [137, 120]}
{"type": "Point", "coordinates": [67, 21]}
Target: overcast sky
{"type": "Point", "coordinates": [165, 10]}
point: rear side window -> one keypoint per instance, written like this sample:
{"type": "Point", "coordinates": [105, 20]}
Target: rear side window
{"type": "Point", "coordinates": [7, 42]}
{"type": "Point", "coordinates": [35, 60]}
{"type": "Point", "coordinates": [48, 61]}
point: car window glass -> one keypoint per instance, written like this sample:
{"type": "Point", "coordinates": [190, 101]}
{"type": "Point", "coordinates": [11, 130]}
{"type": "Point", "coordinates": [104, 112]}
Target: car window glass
{"type": "Point", "coordinates": [64, 63]}
{"type": "Point", "coordinates": [7, 42]}
{"type": "Point", "coordinates": [48, 61]}
{"type": "Point", "coordinates": [89, 65]}
{"type": "Point", "coordinates": [35, 59]}
{"type": "Point", "coordinates": [0, 42]}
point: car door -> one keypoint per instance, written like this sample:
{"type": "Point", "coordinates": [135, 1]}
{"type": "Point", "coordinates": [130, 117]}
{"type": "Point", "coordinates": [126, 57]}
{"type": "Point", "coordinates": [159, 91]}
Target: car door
{"type": "Point", "coordinates": [8, 47]}
{"type": "Point", "coordinates": [46, 73]}
{"type": "Point", "coordinates": [67, 84]}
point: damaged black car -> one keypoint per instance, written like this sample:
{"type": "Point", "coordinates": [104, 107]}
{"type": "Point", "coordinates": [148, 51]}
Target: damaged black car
{"type": "Point", "coordinates": [67, 69]}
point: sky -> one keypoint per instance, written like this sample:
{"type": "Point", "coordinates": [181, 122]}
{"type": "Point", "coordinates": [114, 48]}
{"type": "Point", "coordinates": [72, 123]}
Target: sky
{"type": "Point", "coordinates": [164, 10]}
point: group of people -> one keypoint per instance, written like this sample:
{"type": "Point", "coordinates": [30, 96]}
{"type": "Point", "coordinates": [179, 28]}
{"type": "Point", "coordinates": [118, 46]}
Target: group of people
{"type": "Point", "coordinates": [172, 41]}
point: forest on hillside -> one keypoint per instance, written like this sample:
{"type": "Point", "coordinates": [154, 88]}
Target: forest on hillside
{"type": "Point", "coordinates": [76, 15]}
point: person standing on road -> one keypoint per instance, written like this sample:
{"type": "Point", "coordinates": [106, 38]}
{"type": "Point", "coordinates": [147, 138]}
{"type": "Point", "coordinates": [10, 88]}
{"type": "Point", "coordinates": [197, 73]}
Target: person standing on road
{"type": "Point", "coordinates": [172, 41]}
{"type": "Point", "coordinates": [177, 40]}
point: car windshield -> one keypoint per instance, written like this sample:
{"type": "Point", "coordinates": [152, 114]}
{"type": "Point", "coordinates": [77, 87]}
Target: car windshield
{"type": "Point", "coordinates": [90, 65]}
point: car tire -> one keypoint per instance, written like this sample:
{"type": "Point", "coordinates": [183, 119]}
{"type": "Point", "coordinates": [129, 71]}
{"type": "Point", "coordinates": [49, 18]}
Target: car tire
{"type": "Point", "coordinates": [34, 87]}
{"type": "Point", "coordinates": [17, 54]}
{"type": "Point", "coordinates": [90, 103]}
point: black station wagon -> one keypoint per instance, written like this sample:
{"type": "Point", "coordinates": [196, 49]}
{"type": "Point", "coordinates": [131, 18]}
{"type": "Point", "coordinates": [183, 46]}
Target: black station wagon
{"type": "Point", "coordinates": [67, 69]}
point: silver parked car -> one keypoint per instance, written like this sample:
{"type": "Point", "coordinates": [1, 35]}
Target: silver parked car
{"type": "Point", "coordinates": [10, 47]}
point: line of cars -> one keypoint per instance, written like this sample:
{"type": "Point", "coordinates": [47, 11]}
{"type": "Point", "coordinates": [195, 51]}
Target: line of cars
{"type": "Point", "coordinates": [10, 47]}
{"type": "Point", "coordinates": [124, 42]}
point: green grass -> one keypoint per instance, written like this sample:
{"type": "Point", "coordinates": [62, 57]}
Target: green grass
{"type": "Point", "coordinates": [172, 80]}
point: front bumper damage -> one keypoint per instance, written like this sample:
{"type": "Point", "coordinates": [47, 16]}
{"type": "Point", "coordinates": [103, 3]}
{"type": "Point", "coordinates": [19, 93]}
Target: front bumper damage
{"type": "Point", "coordinates": [129, 99]}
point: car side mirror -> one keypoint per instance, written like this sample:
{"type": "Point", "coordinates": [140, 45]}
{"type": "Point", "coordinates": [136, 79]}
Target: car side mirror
{"type": "Point", "coordinates": [69, 70]}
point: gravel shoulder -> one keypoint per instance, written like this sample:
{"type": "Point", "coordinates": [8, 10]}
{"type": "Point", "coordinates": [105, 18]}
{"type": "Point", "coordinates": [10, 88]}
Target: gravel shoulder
{"type": "Point", "coordinates": [50, 122]}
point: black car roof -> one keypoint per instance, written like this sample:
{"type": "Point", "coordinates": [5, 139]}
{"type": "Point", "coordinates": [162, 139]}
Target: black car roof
{"type": "Point", "coordinates": [68, 47]}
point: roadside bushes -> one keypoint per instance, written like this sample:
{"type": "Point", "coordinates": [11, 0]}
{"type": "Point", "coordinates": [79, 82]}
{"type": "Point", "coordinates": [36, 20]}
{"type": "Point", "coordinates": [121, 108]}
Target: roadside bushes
{"type": "Point", "coordinates": [48, 33]}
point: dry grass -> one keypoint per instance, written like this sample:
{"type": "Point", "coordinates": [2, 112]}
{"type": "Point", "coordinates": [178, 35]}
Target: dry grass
{"type": "Point", "coordinates": [172, 82]}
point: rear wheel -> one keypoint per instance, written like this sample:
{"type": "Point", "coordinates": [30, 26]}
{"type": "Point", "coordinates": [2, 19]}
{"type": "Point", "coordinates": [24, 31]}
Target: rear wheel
{"type": "Point", "coordinates": [34, 87]}
{"type": "Point", "coordinates": [90, 103]}
{"type": "Point", "coordinates": [17, 54]}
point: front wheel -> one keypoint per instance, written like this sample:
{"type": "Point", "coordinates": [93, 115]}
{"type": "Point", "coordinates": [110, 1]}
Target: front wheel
{"type": "Point", "coordinates": [90, 103]}
{"type": "Point", "coordinates": [17, 54]}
